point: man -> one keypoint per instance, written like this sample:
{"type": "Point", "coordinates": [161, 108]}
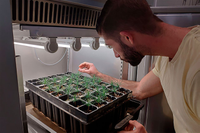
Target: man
{"type": "Point", "coordinates": [131, 29]}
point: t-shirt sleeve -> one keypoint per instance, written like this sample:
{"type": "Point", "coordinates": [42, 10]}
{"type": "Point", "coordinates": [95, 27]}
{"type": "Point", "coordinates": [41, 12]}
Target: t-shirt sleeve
{"type": "Point", "coordinates": [194, 95]}
{"type": "Point", "coordinates": [156, 69]}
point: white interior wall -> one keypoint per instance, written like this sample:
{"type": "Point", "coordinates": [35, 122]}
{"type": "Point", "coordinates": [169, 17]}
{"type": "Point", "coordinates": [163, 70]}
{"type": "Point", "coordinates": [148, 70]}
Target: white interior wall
{"type": "Point", "coordinates": [32, 68]}
{"type": "Point", "coordinates": [103, 59]}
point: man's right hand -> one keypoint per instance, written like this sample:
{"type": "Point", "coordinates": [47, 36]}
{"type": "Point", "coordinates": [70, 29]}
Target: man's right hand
{"type": "Point", "coordinates": [139, 128]}
{"type": "Point", "coordinates": [88, 68]}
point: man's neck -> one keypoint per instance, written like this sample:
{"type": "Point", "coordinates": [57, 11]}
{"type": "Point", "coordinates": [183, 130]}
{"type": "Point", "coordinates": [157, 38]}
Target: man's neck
{"type": "Point", "coordinates": [168, 42]}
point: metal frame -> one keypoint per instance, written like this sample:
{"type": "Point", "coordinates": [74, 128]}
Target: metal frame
{"type": "Point", "coordinates": [10, 113]}
{"type": "Point", "coordinates": [42, 31]}
{"type": "Point", "coordinates": [21, 93]}
{"type": "Point", "coordinates": [54, 13]}
{"type": "Point", "coordinates": [175, 9]}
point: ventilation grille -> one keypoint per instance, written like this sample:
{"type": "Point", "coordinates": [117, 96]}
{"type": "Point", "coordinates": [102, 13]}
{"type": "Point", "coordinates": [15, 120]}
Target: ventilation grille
{"type": "Point", "coordinates": [41, 12]}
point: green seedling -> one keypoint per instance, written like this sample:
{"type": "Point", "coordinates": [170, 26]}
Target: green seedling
{"type": "Point", "coordinates": [99, 81]}
{"type": "Point", "coordinates": [103, 94]}
{"type": "Point", "coordinates": [54, 80]}
{"type": "Point", "coordinates": [70, 81]}
{"type": "Point", "coordinates": [98, 100]}
{"type": "Point", "coordinates": [73, 76]}
{"type": "Point", "coordinates": [114, 89]}
{"type": "Point", "coordinates": [88, 103]}
{"type": "Point", "coordinates": [68, 90]}
{"type": "Point", "coordinates": [78, 74]}
{"type": "Point", "coordinates": [86, 85]}
{"type": "Point", "coordinates": [94, 80]}
{"type": "Point", "coordinates": [64, 78]}
{"type": "Point", "coordinates": [77, 79]}
{"type": "Point", "coordinates": [112, 84]}
{"type": "Point", "coordinates": [57, 89]}
{"type": "Point", "coordinates": [45, 81]}
{"type": "Point", "coordinates": [88, 95]}
{"type": "Point", "coordinates": [75, 99]}
{"type": "Point", "coordinates": [97, 89]}
{"type": "Point", "coordinates": [85, 79]}
{"type": "Point", "coordinates": [61, 83]}
{"type": "Point", "coordinates": [104, 89]}
{"type": "Point", "coordinates": [77, 89]}
{"type": "Point", "coordinates": [117, 85]}
{"type": "Point", "coordinates": [49, 87]}
{"type": "Point", "coordinates": [77, 82]}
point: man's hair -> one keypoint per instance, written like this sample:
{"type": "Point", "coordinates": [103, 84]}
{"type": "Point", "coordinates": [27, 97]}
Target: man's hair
{"type": "Point", "coordinates": [126, 15]}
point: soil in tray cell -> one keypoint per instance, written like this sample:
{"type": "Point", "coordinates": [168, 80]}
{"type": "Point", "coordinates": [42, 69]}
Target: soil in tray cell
{"type": "Point", "coordinates": [81, 82]}
{"type": "Point", "coordinates": [60, 74]}
{"type": "Point", "coordinates": [116, 94]}
{"type": "Point", "coordinates": [78, 88]}
{"type": "Point", "coordinates": [58, 94]}
{"type": "Point", "coordinates": [122, 90]}
{"type": "Point", "coordinates": [87, 109]}
{"type": "Point", "coordinates": [66, 98]}
{"type": "Point", "coordinates": [55, 84]}
{"type": "Point", "coordinates": [95, 87]}
{"type": "Point", "coordinates": [34, 80]}
{"type": "Point", "coordinates": [43, 87]}
{"type": "Point", "coordinates": [63, 87]}
{"type": "Point", "coordinates": [49, 91]}
{"type": "Point", "coordinates": [77, 103]}
{"type": "Point", "coordinates": [103, 84]}
{"type": "Point", "coordinates": [109, 98]}
{"type": "Point", "coordinates": [37, 83]}
{"type": "Point", "coordinates": [96, 94]}
{"type": "Point", "coordinates": [88, 99]}
{"type": "Point", "coordinates": [52, 76]}
{"type": "Point", "coordinates": [86, 90]}
{"type": "Point", "coordinates": [99, 104]}
{"type": "Point", "coordinates": [78, 94]}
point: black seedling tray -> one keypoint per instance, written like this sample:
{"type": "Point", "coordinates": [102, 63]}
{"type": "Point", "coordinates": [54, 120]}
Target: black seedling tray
{"type": "Point", "coordinates": [71, 115]}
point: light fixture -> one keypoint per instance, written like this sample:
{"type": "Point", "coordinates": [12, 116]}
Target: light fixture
{"type": "Point", "coordinates": [67, 42]}
{"type": "Point", "coordinates": [102, 45]}
{"type": "Point", "coordinates": [29, 44]}
{"type": "Point", "coordinates": [85, 45]}
{"type": "Point", "coordinates": [63, 45]}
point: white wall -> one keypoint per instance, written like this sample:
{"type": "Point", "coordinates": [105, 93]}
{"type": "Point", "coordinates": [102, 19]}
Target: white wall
{"type": "Point", "coordinates": [103, 59]}
{"type": "Point", "coordinates": [32, 68]}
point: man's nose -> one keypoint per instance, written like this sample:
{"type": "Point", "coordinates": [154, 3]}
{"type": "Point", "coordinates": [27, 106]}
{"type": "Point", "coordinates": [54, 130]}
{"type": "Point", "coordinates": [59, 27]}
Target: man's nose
{"type": "Point", "coordinates": [116, 54]}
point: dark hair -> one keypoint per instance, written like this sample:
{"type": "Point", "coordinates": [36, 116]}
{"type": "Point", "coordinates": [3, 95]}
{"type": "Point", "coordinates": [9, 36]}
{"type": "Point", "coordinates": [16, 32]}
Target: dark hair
{"type": "Point", "coordinates": [126, 15]}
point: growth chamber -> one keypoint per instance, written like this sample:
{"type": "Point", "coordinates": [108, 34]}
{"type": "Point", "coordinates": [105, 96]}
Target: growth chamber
{"type": "Point", "coordinates": [43, 39]}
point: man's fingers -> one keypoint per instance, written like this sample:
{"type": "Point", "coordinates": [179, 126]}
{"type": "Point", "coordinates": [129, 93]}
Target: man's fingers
{"type": "Point", "coordinates": [84, 70]}
{"type": "Point", "coordinates": [84, 64]}
{"type": "Point", "coordinates": [134, 123]}
{"type": "Point", "coordinates": [129, 127]}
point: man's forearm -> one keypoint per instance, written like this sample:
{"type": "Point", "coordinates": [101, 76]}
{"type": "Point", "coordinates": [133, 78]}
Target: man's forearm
{"type": "Point", "coordinates": [149, 85]}
{"type": "Point", "coordinates": [127, 84]}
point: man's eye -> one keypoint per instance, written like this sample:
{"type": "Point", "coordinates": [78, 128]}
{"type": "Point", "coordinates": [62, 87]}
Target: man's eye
{"type": "Point", "coordinates": [110, 47]}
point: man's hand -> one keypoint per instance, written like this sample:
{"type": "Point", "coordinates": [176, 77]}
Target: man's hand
{"type": "Point", "coordinates": [129, 129]}
{"type": "Point", "coordinates": [88, 68]}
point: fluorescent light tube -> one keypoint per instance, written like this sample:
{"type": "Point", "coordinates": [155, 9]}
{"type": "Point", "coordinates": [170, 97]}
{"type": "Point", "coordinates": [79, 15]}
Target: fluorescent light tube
{"type": "Point", "coordinates": [85, 45]}
{"type": "Point", "coordinates": [63, 45]}
{"type": "Point", "coordinates": [29, 45]}
{"type": "Point", "coordinates": [102, 44]}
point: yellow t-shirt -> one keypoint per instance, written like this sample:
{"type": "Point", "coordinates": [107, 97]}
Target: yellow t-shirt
{"type": "Point", "coordinates": [180, 79]}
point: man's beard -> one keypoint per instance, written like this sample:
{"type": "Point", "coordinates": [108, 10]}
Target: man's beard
{"type": "Point", "coordinates": [130, 55]}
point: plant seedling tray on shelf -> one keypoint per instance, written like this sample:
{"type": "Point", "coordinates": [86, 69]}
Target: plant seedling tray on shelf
{"type": "Point", "coordinates": [80, 105]}
{"type": "Point", "coordinates": [78, 110]}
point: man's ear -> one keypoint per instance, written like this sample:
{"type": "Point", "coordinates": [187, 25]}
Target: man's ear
{"type": "Point", "coordinates": [127, 37]}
